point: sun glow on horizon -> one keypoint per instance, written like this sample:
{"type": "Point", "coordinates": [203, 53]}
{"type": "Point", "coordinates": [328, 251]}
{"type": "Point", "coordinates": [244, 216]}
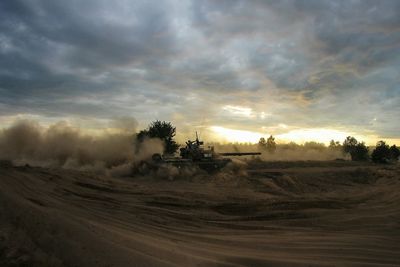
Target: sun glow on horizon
{"type": "Point", "coordinates": [300, 136]}
{"type": "Point", "coordinates": [238, 110]}
{"type": "Point", "coordinates": [235, 136]}
{"type": "Point", "coordinates": [319, 135]}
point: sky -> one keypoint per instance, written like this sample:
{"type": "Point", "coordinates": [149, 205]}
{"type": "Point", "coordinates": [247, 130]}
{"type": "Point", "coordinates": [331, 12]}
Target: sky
{"type": "Point", "coordinates": [232, 70]}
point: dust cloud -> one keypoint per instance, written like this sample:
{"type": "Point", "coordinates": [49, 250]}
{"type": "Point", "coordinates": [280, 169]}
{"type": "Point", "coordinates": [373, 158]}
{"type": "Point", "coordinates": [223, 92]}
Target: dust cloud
{"type": "Point", "coordinates": [118, 153]}
{"type": "Point", "coordinates": [61, 145]}
{"type": "Point", "coordinates": [287, 152]}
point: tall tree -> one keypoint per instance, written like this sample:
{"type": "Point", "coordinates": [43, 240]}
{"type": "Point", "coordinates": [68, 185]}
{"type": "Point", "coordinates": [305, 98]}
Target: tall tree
{"type": "Point", "coordinates": [334, 144]}
{"type": "Point", "coordinates": [162, 130]}
{"type": "Point", "coordinates": [381, 153]}
{"type": "Point", "coordinates": [349, 144]}
{"type": "Point", "coordinates": [271, 144]}
{"type": "Point", "coordinates": [262, 144]}
{"type": "Point", "coordinates": [394, 152]}
{"type": "Point", "coordinates": [357, 150]}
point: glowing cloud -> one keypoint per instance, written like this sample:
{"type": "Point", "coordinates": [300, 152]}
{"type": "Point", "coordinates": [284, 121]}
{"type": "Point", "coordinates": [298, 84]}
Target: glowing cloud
{"type": "Point", "coordinates": [237, 110]}
{"type": "Point", "coordinates": [239, 136]}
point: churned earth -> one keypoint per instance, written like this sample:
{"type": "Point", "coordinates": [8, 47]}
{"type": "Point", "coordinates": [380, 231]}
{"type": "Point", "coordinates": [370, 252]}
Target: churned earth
{"type": "Point", "coordinates": [272, 214]}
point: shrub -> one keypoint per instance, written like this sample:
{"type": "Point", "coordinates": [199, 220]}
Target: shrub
{"type": "Point", "coordinates": [162, 130]}
{"type": "Point", "coordinates": [357, 150]}
{"type": "Point", "coordinates": [381, 153]}
{"type": "Point", "coordinates": [394, 153]}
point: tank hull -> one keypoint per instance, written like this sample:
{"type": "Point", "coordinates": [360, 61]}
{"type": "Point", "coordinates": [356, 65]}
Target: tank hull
{"type": "Point", "coordinates": [207, 165]}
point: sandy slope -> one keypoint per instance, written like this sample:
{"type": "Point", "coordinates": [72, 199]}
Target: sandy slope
{"type": "Point", "coordinates": [292, 214]}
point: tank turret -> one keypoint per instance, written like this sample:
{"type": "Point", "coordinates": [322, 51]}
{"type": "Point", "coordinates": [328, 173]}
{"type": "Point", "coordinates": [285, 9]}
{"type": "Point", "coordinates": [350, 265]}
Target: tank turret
{"type": "Point", "coordinates": [195, 151]}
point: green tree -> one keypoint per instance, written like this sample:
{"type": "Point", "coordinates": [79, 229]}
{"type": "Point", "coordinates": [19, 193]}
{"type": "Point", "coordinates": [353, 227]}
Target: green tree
{"type": "Point", "coordinates": [349, 144]}
{"type": "Point", "coordinates": [334, 144]}
{"type": "Point", "coordinates": [162, 130]}
{"type": "Point", "coordinates": [394, 153]}
{"type": "Point", "coordinates": [357, 150]}
{"type": "Point", "coordinates": [381, 153]}
{"type": "Point", "coordinates": [271, 144]}
{"type": "Point", "coordinates": [262, 144]}
{"type": "Point", "coordinates": [314, 145]}
{"type": "Point", "coordinates": [360, 153]}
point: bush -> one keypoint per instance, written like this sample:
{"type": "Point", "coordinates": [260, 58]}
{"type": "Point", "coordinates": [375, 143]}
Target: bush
{"type": "Point", "coordinates": [360, 152]}
{"type": "Point", "coordinates": [333, 145]}
{"type": "Point", "coordinates": [357, 150]}
{"type": "Point", "coordinates": [314, 145]}
{"type": "Point", "coordinates": [267, 145]}
{"type": "Point", "coordinates": [394, 153]}
{"type": "Point", "coordinates": [262, 144]}
{"type": "Point", "coordinates": [381, 153]}
{"type": "Point", "coordinates": [271, 144]}
{"type": "Point", "coordinates": [162, 130]}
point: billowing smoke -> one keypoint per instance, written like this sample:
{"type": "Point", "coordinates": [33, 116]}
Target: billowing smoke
{"type": "Point", "coordinates": [60, 145]}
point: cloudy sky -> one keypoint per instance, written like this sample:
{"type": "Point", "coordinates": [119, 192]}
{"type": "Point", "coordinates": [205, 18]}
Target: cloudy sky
{"type": "Point", "coordinates": [234, 70]}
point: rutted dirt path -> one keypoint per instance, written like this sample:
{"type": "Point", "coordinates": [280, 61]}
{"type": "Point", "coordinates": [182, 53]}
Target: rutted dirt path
{"type": "Point", "coordinates": [274, 216]}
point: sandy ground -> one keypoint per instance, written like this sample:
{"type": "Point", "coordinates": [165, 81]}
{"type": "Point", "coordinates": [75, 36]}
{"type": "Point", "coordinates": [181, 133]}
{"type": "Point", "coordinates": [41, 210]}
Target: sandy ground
{"type": "Point", "coordinates": [279, 214]}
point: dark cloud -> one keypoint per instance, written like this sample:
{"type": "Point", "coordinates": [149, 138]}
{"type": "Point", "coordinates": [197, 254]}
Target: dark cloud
{"type": "Point", "coordinates": [305, 63]}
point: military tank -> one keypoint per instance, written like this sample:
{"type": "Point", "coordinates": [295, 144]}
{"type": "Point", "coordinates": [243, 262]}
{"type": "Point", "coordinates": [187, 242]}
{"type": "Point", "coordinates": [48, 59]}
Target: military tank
{"type": "Point", "coordinates": [194, 153]}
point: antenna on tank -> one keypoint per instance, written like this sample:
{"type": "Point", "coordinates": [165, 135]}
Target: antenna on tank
{"type": "Point", "coordinates": [198, 142]}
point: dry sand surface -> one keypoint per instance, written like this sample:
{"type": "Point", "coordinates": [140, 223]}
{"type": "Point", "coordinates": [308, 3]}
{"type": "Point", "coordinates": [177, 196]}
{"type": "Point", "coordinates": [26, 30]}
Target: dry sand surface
{"type": "Point", "coordinates": [279, 214]}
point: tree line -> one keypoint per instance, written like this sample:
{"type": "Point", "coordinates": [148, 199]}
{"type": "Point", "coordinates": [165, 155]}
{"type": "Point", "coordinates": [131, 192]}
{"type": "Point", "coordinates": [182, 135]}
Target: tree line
{"type": "Point", "coordinates": [358, 151]}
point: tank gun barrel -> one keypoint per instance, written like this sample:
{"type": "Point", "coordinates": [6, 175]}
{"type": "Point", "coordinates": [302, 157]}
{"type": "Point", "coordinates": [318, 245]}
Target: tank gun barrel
{"type": "Point", "coordinates": [240, 154]}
